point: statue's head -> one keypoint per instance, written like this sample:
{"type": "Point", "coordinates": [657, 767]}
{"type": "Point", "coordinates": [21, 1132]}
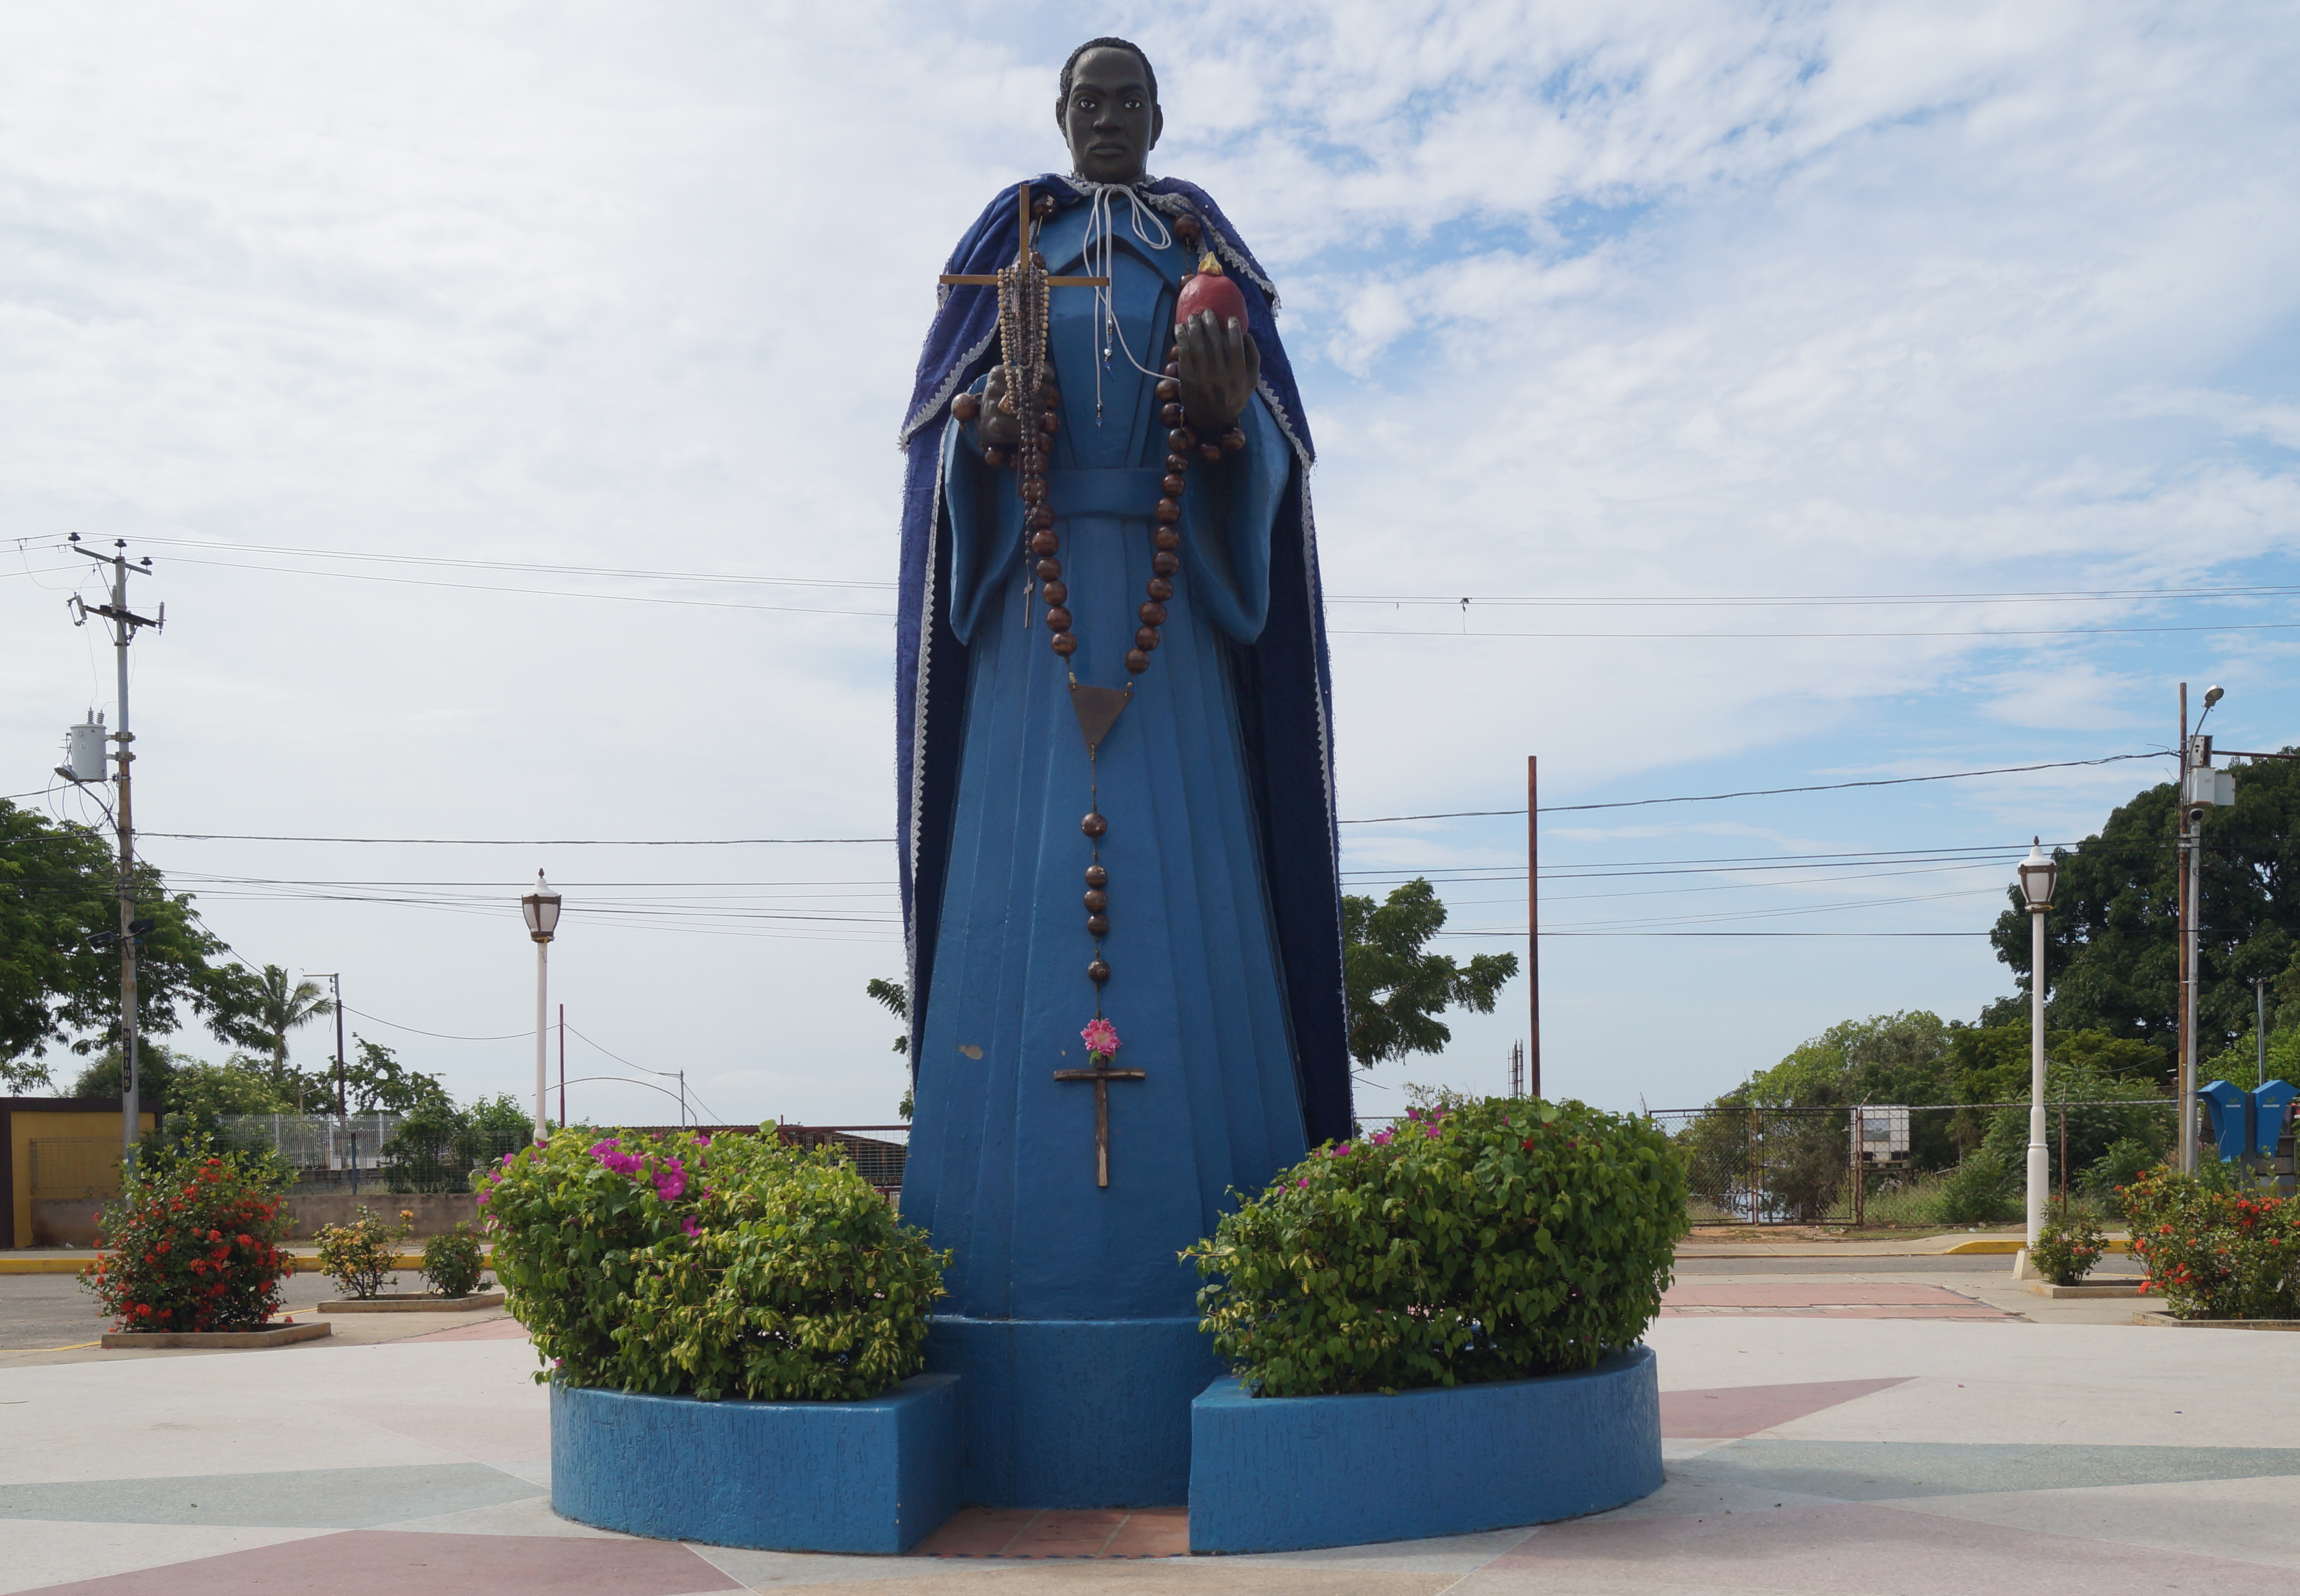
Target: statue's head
{"type": "Point", "coordinates": [1108, 111]}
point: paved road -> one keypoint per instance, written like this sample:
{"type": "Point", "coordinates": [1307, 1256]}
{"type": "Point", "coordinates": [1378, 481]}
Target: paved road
{"type": "Point", "coordinates": [1990, 1265]}
{"type": "Point", "coordinates": [52, 1310]}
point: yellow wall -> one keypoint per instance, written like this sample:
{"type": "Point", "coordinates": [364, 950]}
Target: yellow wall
{"type": "Point", "coordinates": [27, 1126]}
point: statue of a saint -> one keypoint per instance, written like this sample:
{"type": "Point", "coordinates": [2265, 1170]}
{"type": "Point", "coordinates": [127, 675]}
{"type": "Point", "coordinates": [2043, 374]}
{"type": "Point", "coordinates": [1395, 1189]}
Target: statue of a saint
{"type": "Point", "coordinates": [1113, 810]}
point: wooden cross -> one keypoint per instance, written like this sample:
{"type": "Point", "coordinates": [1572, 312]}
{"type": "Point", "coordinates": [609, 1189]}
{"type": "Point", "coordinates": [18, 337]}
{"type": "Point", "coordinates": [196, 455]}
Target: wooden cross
{"type": "Point", "coordinates": [1101, 1075]}
{"type": "Point", "coordinates": [1023, 256]}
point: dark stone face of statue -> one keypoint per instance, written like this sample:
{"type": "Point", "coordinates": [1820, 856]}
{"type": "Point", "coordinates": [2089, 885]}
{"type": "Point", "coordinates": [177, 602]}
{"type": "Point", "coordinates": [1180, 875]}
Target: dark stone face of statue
{"type": "Point", "coordinates": [1110, 120]}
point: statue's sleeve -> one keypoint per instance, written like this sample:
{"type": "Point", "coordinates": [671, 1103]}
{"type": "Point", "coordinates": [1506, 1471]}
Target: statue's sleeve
{"type": "Point", "coordinates": [1228, 512]}
{"type": "Point", "coordinates": [980, 517]}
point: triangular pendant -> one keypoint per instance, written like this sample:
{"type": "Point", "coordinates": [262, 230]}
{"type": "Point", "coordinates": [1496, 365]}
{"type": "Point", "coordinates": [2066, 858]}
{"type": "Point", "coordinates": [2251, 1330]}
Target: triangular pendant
{"type": "Point", "coordinates": [1098, 709]}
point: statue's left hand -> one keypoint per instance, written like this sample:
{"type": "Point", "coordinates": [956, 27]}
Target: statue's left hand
{"type": "Point", "coordinates": [1219, 365]}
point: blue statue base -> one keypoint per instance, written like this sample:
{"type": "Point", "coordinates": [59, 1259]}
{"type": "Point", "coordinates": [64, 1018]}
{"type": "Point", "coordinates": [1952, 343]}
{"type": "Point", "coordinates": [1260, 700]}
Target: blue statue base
{"type": "Point", "coordinates": [1074, 1413]}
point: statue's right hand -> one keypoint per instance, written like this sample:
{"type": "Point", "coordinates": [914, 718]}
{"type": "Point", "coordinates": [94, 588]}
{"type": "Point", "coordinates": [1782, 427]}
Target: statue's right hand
{"type": "Point", "coordinates": [994, 426]}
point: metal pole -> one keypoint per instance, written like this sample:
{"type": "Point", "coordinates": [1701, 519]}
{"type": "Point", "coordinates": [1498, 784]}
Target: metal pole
{"type": "Point", "coordinates": [542, 1029]}
{"type": "Point", "coordinates": [130, 1085]}
{"type": "Point", "coordinates": [2039, 1159]}
{"type": "Point", "coordinates": [2260, 1024]}
{"type": "Point", "coordinates": [563, 1063]}
{"type": "Point", "coordinates": [338, 981]}
{"type": "Point", "coordinates": [2188, 999]}
{"type": "Point", "coordinates": [2187, 1107]}
{"type": "Point", "coordinates": [1533, 919]}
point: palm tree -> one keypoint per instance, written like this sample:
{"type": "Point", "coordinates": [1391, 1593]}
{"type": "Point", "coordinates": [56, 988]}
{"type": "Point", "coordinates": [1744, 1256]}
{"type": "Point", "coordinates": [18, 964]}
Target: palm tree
{"type": "Point", "coordinates": [275, 1008]}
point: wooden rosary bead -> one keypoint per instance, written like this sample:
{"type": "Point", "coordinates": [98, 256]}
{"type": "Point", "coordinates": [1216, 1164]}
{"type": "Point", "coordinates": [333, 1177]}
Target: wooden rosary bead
{"type": "Point", "coordinates": [1136, 660]}
{"type": "Point", "coordinates": [1169, 510]}
{"type": "Point", "coordinates": [1037, 260]}
{"type": "Point", "coordinates": [1165, 538]}
{"type": "Point", "coordinates": [1049, 569]}
{"type": "Point", "coordinates": [1211, 454]}
{"type": "Point", "coordinates": [1177, 463]}
{"type": "Point", "coordinates": [1171, 414]}
{"type": "Point", "coordinates": [1095, 875]}
{"type": "Point", "coordinates": [1045, 543]}
{"type": "Point", "coordinates": [1041, 516]}
{"type": "Point", "coordinates": [1058, 620]}
{"type": "Point", "coordinates": [1172, 370]}
{"type": "Point", "coordinates": [966, 407]}
{"type": "Point", "coordinates": [1097, 925]}
{"type": "Point", "coordinates": [1161, 562]}
{"type": "Point", "coordinates": [1094, 825]}
{"type": "Point", "coordinates": [994, 457]}
{"type": "Point", "coordinates": [1160, 589]}
{"type": "Point", "coordinates": [1051, 423]}
{"type": "Point", "coordinates": [1034, 489]}
{"type": "Point", "coordinates": [1180, 439]}
{"type": "Point", "coordinates": [1065, 645]}
{"type": "Point", "coordinates": [1152, 614]}
{"type": "Point", "coordinates": [1097, 972]}
{"type": "Point", "coordinates": [1058, 592]}
{"type": "Point", "coordinates": [1097, 900]}
{"type": "Point", "coordinates": [1172, 485]}
{"type": "Point", "coordinates": [1169, 389]}
{"type": "Point", "coordinates": [1234, 440]}
{"type": "Point", "coordinates": [1186, 228]}
{"type": "Point", "coordinates": [1147, 639]}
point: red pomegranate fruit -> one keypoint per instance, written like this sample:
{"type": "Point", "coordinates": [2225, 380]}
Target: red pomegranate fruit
{"type": "Point", "coordinates": [1210, 290]}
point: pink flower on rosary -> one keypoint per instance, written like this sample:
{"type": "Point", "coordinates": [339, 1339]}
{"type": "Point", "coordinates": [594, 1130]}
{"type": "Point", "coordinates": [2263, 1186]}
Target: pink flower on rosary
{"type": "Point", "coordinates": [1101, 1039]}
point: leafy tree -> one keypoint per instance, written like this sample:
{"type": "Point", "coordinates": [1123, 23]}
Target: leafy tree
{"type": "Point", "coordinates": [897, 996]}
{"type": "Point", "coordinates": [376, 1081]}
{"type": "Point", "coordinates": [2111, 957]}
{"type": "Point", "coordinates": [268, 1007]}
{"type": "Point", "coordinates": [1396, 990]}
{"type": "Point", "coordinates": [59, 959]}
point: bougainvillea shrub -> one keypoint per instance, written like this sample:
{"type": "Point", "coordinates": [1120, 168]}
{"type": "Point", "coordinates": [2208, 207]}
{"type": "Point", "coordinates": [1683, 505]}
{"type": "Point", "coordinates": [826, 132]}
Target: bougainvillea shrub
{"type": "Point", "coordinates": [2215, 1254]}
{"type": "Point", "coordinates": [733, 1267]}
{"type": "Point", "coordinates": [1492, 1241]}
{"type": "Point", "coordinates": [192, 1241]}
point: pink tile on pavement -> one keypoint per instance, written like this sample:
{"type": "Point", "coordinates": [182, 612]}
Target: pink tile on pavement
{"type": "Point", "coordinates": [1737, 1411]}
{"type": "Point", "coordinates": [394, 1562]}
{"type": "Point", "coordinates": [1884, 1551]}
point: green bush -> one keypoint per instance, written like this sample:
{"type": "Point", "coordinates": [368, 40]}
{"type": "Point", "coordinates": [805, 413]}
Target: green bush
{"type": "Point", "coordinates": [192, 1241]}
{"type": "Point", "coordinates": [452, 1262]}
{"type": "Point", "coordinates": [1499, 1240]}
{"type": "Point", "coordinates": [358, 1257]}
{"type": "Point", "coordinates": [2123, 1163]}
{"type": "Point", "coordinates": [729, 1267]}
{"type": "Point", "coordinates": [2067, 1247]}
{"type": "Point", "coordinates": [2215, 1254]}
{"type": "Point", "coordinates": [1976, 1192]}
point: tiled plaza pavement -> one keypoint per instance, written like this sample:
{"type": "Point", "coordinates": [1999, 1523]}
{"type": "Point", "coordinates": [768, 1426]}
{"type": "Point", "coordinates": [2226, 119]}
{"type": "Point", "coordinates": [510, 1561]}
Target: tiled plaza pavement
{"type": "Point", "coordinates": [1887, 1449]}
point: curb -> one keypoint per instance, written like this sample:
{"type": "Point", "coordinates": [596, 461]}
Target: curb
{"type": "Point", "coordinates": [413, 1303]}
{"type": "Point", "coordinates": [2167, 1319]}
{"type": "Point", "coordinates": [279, 1335]}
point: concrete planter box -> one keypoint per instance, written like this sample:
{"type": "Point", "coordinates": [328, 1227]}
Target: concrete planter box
{"type": "Point", "coordinates": [2180, 1324]}
{"type": "Point", "coordinates": [269, 1335]}
{"type": "Point", "coordinates": [872, 1477]}
{"type": "Point", "coordinates": [2045, 1288]}
{"type": "Point", "coordinates": [413, 1302]}
{"type": "Point", "coordinates": [1285, 1474]}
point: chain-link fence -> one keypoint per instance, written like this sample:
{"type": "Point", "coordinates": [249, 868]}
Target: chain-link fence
{"type": "Point", "coordinates": [1925, 1164]}
{"type": "Point", "coordinates": [877, 1151]}
{"type": "Point", "coordinates": [382, 1152]}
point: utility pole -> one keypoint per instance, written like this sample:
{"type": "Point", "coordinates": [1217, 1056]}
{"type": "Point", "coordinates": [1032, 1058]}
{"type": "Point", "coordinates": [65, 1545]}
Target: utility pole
{"type": "Point", "coordinates": [1533, 920]}
{"type": "Point", "coordinates": [2185, 1080]}
{"type": "Point", "coordinates": [2260, 1024]}
{"type": "Point", "coordinates": [337, 983]}
{"type": "Point", "coordinates": [124, 623]}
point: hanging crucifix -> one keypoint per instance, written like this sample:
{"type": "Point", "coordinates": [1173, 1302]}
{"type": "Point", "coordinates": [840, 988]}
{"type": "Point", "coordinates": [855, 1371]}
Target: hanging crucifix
{"type": "Point", "coordinates": [1101, 1075]}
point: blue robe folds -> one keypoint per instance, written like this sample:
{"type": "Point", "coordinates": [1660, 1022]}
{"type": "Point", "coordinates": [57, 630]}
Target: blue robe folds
{"type": "Point", "coordinates": [1216, 783]}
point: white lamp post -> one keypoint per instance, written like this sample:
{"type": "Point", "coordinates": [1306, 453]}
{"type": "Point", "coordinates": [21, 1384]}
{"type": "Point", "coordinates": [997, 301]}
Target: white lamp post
{"type": "Point", "coordinates": [541, 908]}
{"type": "Point", "coordinates": [2036, 874]}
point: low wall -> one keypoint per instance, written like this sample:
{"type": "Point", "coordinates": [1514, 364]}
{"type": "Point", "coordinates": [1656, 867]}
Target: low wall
{"type": "Point", "coordinates": [436, 1213]}
{"type": "Point", "coordinates": [65, 1221]}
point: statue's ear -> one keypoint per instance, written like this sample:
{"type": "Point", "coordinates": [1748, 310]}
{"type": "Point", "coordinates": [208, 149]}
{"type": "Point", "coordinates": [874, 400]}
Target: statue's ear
{"type": "Point", "coordinates": [1157, 123]}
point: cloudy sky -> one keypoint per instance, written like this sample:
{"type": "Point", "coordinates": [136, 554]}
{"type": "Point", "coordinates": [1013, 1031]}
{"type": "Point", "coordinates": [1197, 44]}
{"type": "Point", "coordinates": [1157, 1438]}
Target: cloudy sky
{"type": "Point", "coordinates": [1709, 398]}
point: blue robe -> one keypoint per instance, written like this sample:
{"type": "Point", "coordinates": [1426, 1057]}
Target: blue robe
{"type": "Point", "coordinates": [1223, 891]}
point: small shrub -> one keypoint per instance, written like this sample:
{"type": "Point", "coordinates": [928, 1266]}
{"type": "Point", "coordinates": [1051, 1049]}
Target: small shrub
{"type": "Point", "coordinates": [359, 1256]}
{"type": "Point", "coordinates": [1498, 1240]}
{"type": "Point", "coordinates": [2216, 1254]}
{"type": "Point", "coordinates": [733, 1267]}
{"type": "Point", "coordinates": [1976, 1192]}
{"type": "Point", "coordinates": [192, 1241]}
{"type": "Point", "coordinates": [452, 1261]}
{"type": "Point", "coordinates": [2067, 1248]}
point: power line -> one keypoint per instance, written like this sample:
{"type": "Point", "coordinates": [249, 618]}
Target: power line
{"type": "Point", "coordinates": [1832, 786]}
{"type": "Point", "coordinates": [441, 1035]}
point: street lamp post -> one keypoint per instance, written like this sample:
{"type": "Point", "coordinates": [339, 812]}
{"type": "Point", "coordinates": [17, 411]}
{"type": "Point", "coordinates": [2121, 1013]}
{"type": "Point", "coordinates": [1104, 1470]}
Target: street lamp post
{"type": "Point", "coordinates": [541, 908]}
{"type": "Point", "coordinates": [2036, 874]}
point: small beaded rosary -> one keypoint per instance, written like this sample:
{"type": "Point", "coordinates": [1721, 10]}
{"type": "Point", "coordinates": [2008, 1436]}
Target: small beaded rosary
{"type": "Point", "coordinates": [1023, 309]}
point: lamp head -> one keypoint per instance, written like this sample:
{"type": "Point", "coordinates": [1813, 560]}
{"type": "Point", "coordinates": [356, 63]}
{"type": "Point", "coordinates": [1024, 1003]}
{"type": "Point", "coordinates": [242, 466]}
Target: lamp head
{"type": "Point", "coordinates": [541, 908]}
{"type": "Point", "coordinates": [2212, 695]}
{"type": "Point", "coordinates": [2036, 874]}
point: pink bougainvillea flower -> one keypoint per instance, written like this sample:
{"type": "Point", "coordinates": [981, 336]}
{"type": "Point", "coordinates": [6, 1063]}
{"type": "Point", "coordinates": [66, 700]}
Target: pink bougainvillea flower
{"type": "Point", "coordinates": [1382, 1138]}
{"type": "Point", "coordinates": [670, 1180]}
{"type": "Point", "coordinates": [1303, 1182]}
{"type": "Point", "coordinates": [690, 1226]}
{"type": "Point", "coordinates": [1100, 1036]}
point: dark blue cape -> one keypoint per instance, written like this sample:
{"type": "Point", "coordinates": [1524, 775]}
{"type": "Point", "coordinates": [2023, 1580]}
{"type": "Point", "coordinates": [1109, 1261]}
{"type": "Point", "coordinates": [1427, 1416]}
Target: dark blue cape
{"type": "Point", "coordinates": [1284, 687]}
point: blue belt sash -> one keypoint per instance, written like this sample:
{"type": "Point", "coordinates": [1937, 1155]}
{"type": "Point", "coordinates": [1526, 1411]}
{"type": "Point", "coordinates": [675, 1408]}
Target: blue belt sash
{"type": "Point", "coordinates": [1118, 491]}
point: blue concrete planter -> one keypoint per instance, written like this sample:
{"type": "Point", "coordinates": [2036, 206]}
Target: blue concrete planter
{"type": "Point", "coordinates": [784, 1476]}
{"type": "Point", "coordinates": [1282, 1474]}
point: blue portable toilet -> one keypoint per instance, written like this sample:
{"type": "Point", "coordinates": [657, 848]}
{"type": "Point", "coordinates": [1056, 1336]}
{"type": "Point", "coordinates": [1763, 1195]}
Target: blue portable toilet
{"type": "Point", "coordinates": [2271, 1106]}
{"type": "Point", "coordinates": [2229, 1106]}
